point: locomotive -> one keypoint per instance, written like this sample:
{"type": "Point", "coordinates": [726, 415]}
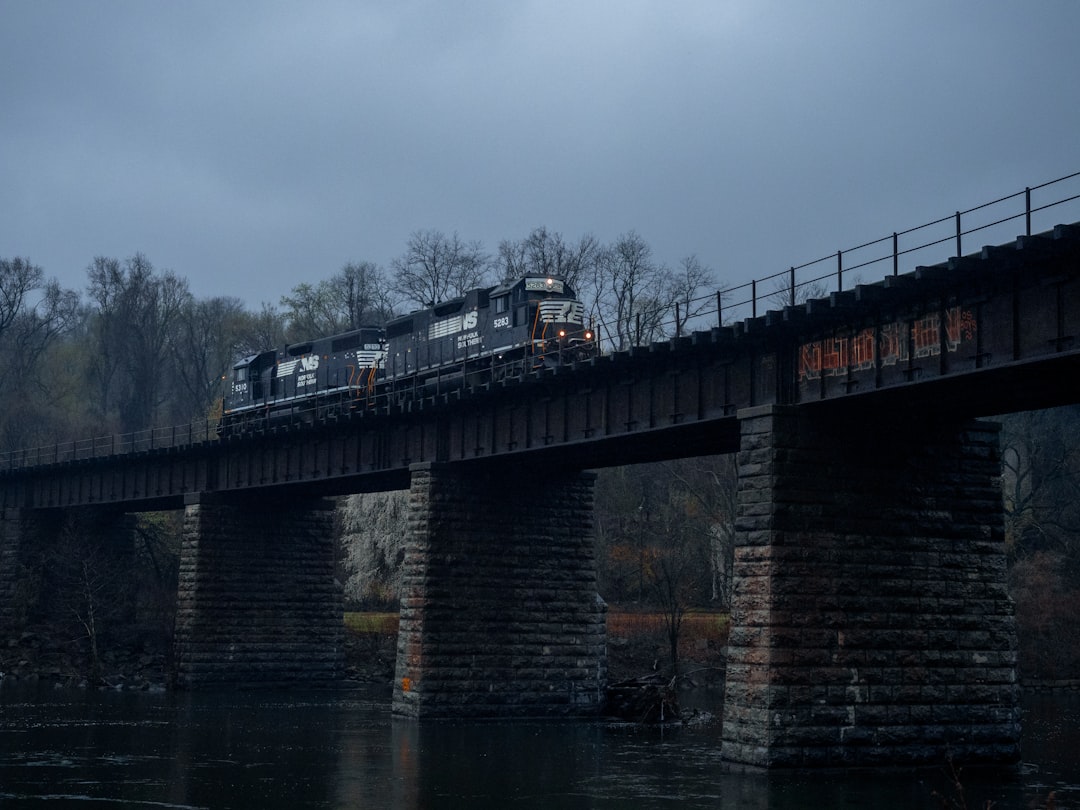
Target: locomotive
{"type": "Point", "coordinates": [490, 333]}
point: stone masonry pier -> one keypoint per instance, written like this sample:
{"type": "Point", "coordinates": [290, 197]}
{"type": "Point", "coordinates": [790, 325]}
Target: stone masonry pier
{"type": "Point", "coordinates": [500, 615]}
{"type": "Point", "coordinates": [258, 604]}
{"type": "Point", "coordinates": [870, 621]}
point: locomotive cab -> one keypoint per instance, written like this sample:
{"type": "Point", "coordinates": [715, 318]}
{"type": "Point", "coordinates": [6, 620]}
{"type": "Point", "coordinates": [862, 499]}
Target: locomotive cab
{"type": "Point", "coordinates": [247, 386]}
{"type": "Point", "coordinates": [545, 312]}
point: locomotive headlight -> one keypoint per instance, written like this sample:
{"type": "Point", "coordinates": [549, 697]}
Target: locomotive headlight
{"type": "Point", "coordinates": [562, 333]}
{"type": "Point", "coordinates": [588, 334]}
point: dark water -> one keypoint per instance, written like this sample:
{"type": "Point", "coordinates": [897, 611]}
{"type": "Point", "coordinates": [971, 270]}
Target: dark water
{"type": "Point", "coordinates": [85, 749]}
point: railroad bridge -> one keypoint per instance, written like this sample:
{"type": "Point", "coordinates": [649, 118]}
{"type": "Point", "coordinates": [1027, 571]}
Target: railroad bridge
{"type": "Point", "coordinates": [870, 618]}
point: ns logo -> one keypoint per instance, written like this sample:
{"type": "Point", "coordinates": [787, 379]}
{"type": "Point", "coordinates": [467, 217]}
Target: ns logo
{"type": "Point", "coordinates": [469, 320]}
{"type": "Point", "coordinates": [309, 362]}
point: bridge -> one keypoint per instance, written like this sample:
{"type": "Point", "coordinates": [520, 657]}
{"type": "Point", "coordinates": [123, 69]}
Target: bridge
{"type": "Point", "coordinates": [870, 620]}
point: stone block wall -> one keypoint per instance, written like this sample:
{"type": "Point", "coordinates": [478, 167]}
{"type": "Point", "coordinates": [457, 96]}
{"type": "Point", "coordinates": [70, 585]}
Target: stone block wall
{"type": "Point", "coordinates": [11, 532]}
{"type": "Point", "coordinates": [258, 604]}
{"type": "Point", "coordinates": [500, 615]}
{"type": "Point", "coordinates": [870, 619]}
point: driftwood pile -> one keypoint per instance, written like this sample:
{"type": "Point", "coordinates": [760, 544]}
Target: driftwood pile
{"type": "Point", "coordinates": [647, 699]}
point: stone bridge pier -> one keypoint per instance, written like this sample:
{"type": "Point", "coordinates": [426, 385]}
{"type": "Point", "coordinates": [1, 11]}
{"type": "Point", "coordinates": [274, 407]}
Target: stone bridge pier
{"type": "Point", "coordinates": [870, 620]}
{"type": "Point", "coordinates": [258, 604]}
{"type": "Point", "coordinates": [500, 615]}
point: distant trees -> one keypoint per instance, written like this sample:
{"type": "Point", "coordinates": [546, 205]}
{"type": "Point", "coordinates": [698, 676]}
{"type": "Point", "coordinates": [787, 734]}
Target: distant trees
{"type": "Point", "coordinates": [135, 317]}
{"type": "Point", "coordinates": [34, 314]}
{"type": "Point", "coordinates": [640, 300]}
{"type": "Point", "coordinates": [547, 253]}
{"type": "Point", "coordinates": [1041, 488]}
{"type": "Point", "coordinates": [1041, 482]}
{"type": "Point", "coordinates": [630, 288]}
{"type": "Point", "coordinates": [436, 267]}
{"type": "Point", "coordinates": [784, 295]}
{"type": "Point", "coordinates": [373, 539]}
{"type": "Point", "coordinates": [207, 337]}
{"type": "Point", "coordinates": [358, 295]}
{"type": "Point", "coordinates": [665, 538]}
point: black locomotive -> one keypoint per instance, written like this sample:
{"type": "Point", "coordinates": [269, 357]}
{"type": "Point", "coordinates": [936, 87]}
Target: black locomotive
{"type": "Point", "coordinates": [487, 334]}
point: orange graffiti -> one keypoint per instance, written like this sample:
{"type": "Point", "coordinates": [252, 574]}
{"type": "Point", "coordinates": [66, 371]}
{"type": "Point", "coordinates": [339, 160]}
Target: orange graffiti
{"type": "Point", "coordinates": [890, 343]}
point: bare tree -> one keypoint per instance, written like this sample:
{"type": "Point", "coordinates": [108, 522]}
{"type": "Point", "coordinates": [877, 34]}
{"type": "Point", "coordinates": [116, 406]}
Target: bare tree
{"type": "Point", "coordinates": [436, 267]}
{"type": "Point", "coordinates": [546, 253]}
{"type": "Point", "coordinates": [1041, 482]}
{"type": "Point", "coordinates": [262, 330]}
{"type": "Point", "coordinates": [358, 295]}
{"type": "Point", "coordinates": [787, 294]}
{"type": "Point", "coordinates": [1041, 487]}
{"type": "Point", "coordinates": [136, 311]}
{"type": "Point", "coordinates": [86, 585]}
{"type": "Point", "coordinates": [691, 291]}
{"type": "Point", "coordinates": [206, 343]}
{"type": "Point", "coordinates": [34, 314]}
{"type": "Point", "coordinates": [711, 482]}
{"type": "Point", "coordinates": [29, 323]}
{"type": "Point", "coordinates": [633, 293]}
{"type": "Point", "coordinates": [373, 537]}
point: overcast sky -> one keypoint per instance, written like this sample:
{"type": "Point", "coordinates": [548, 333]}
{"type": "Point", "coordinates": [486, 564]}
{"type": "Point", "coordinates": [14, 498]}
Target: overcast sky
{"type": "Point", "coordinates": [250, 146]}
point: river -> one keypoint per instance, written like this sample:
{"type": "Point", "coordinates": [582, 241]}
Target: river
{"type": "Point", "coordinates": [90, 749]}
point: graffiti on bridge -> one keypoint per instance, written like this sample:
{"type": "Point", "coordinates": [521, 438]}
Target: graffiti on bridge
{"type": "Point", "coordinates": [894, 342]}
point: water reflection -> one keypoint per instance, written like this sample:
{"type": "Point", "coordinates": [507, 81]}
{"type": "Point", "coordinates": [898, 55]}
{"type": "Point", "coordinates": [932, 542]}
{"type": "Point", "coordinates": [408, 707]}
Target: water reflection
{"type": "Point", "coordinates": [72, 748]}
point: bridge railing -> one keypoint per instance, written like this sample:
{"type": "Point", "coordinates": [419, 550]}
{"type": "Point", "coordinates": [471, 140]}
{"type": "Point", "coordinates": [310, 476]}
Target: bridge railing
{"type": "Point", "coordinates": [994, 222]}
{"type": "Point", "coordinates": [193, 433]}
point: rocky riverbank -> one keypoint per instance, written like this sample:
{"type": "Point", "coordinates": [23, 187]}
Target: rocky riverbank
{"type": "Point", "coordinates": [36, 655]}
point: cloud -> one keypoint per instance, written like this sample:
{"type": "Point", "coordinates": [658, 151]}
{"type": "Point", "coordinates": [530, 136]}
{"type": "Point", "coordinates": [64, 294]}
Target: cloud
{"type": "Point", "coordinates": [252, 145]}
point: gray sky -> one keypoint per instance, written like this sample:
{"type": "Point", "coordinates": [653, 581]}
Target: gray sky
{"type": "Point", "coordinates": [249, 146]}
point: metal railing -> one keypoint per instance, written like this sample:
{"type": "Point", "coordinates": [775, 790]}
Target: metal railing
{"type": "Point", "coordinates": [833, 267]}
{"type": "Point", "coordinates": [193, 433]}
{"type": "Point", "coordinates": [838, 270]}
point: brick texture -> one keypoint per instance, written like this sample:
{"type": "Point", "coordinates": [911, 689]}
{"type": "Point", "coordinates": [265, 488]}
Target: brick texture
{"type": "Point", "coordinates": [870, 619]}
{"type": "Point", "coordinates": [500, 615]}
{"type": "Point", "coordinates": [258, 604]}
{"type": "Point", "coordinates": [11, 531]}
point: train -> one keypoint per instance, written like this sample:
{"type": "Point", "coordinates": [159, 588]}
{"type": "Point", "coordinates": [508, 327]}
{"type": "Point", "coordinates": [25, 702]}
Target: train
{"type": "Point", "coordinates": [488, 334]}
